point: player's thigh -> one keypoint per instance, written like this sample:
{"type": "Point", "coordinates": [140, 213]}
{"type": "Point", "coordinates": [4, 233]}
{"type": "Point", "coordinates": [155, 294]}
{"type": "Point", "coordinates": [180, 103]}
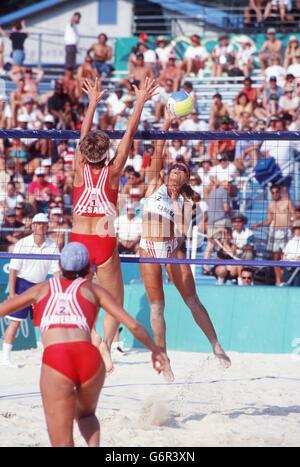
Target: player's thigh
{"type": "Point", "coordinates": [59, 401]}
{"type": "Point", "coordinates": [88, 393]}
{"type": "Point", "coordinates": [109, 276]}
{"type": "Point", "coordinates": [153, 281]}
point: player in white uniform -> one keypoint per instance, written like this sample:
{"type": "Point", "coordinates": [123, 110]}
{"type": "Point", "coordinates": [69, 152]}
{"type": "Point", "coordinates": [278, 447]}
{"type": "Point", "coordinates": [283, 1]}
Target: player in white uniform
{"type": "Point", "coordinates": [163, 231]}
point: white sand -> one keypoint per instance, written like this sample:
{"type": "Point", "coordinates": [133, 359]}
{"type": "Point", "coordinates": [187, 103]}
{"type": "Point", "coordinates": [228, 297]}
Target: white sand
{"type": "Point", "coordinates": [255, 403]}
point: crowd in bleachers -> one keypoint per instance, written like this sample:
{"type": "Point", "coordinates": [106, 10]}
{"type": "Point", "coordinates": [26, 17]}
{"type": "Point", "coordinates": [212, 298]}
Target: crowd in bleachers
{"type": "Point", "coordinates": [36, 175]}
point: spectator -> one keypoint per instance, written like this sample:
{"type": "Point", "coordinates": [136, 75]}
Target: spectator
{"type": "Point", "coordinates": [217, 111]}
{"type": "Point", "coordinates": [222, 55]}
{"type": "Point", "coordinates": [289, 102]}
{"type": "Point", "coordinates": [275, 7]}
{"type": "Point", "coordinates": [17, 99]}
{"type": "Point", "coordinates": [128, 229]}
{"type": "Point", "coordinates": [251, 92]}
{"type": "Point", "coordinates": [9, 231]}
{"type": "Point", "coordinates": [291, 252]}
{"type": "Point", "coordinates": [101, 55]}
{"type": "Point", "coordinates": [171, 72]}
{"type": "Point", "coordinates": [71, 40]}
{"type": "Point", "coordinates": [243, 239]}
{"type": "Point", "coordinates": [161, 98]}
{"type": "Point", "coordinates": [57, 227]}
{"type": "Point", "coordinates": [291, 51]}
{"type": "Point", "coordinates": [114, 106]}
{"type": "Point", "coordinates": [57, 101]}
{"type": "Point", "coordinates": [150, 59]}
{"type": "Point", "coordinates": [70, 85]}
{"type": "Point", "coordinates": [242, 105]}
{"type": "Point", "coordinates": [18, 36]}
{"type": "Point", "coordinates": [245, 56]}
{"type": "Point", "coordinates": [279, 221]}
{"type": "Point", "coordinates": [254, 11]}
{"type": "Point", "coordinates": [12, 197]}
{"type": "Point", "coordinates": [204, 174]}
{"type": "Point", "coordinates": [246, 277]}
{"type": "Point", "coordinates": [40, 191]}
{"type": "Point", "coordinates": [85, 71]}
{"type": "Point", "coordinates": [195, 57]}
{"type": "Point", "coordinates": [163, 51]}
{"type": "Point", "coordinates": [218, 203]}
{"type": "Point", "coordinates": [294, 68]}
{"type": "Point", "coordinates": [138, 75]}
{"type": "Point", "coordinates": [272, 48]}
{"type": "Point", "coordinates": [1, 56]}
{"type": "Point", "coordinates": [178, 152]}
{"type": "Point", "coordinates": [225, 249]}
{"type": "Point", "coordinates": [275, 70]}
{"type": "Point", "coordinates": [271, 89]}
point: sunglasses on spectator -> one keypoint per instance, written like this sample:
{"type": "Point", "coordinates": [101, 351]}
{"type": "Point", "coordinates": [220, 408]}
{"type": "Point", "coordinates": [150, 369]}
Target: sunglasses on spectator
{"type": "Point", "coordinates": [247, 278]}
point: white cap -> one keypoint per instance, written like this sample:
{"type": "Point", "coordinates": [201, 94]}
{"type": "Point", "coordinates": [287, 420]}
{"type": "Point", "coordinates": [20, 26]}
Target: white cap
{"type": "Point", "coordinates": [49, 119]}
{"type": "Point", "coordinates": [46, 163]}
{"type": "Point", "coordinates": [23, 118]}
{"type": "Point", "coordinates": [40, 217]}
{"type": "Point", "coordinates": [39, 171]}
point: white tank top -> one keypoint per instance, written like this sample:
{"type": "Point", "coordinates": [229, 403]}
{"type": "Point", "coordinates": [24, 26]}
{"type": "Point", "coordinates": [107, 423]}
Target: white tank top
{"type": "Point", "coordinates": [161, 203]}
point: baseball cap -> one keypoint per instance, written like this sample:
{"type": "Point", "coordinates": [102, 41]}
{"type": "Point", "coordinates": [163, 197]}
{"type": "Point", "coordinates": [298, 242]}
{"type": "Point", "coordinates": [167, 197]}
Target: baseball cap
{"type": "Point", "coordinates": [271, 31]}
{"type": "Point", "coordinates": [195, 38]}
{"type": "Point", "coordinates": [29, 100]}
{"type": "Point", "coordinates": [289, 88]}
{"type": "Point", "coordinates": [48, 119]}
{"type": "Point", "coordinates": [10, 212]}
{"type": "Point", "coordinates": [293, 39]}
{"type": "Point", "coordinates": [74, 257]}
{"type": "Point", "coordinates": [239, 215]}
{"type": "Point", "coordinates": [40, 217]}
{"type": "Point", "coordinates": [39, 171]}
{"type": "Point", "coordinates": [10, 164]}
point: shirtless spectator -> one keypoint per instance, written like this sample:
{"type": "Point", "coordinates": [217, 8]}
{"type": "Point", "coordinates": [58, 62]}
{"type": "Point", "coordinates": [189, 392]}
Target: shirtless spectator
{"type": "Point", "coordinates": [254, 11]}
{"type": "Point", "coordinates": [223, 55]}
{"type": "Point", "coordinates": [272, 48]}
{"type": "Point", "coordinates": [173, 72]}
{"type": "Point", "coordinates": [101, 53]}
{"type": "Point", "coordinates": [85, 71]}
{"type": "Point", "coordinates": [217, 111]}
{"type": "Point", "coordinates": [163, 51]}
{"type": "Point", "coordinates": [57, 101]}
{"type": "Point", "coordinates": [195, 56]}
{"type": "Point", "coordinates": [139, 74]}
{"type": "Point", "coordinates": [279, 220]}
{"type": "Point", "coordinates": [17, 99]}
{"type": "Point", "coordinates": [70, 85]}
{"type": "Point", "coordinates": [32, 78]}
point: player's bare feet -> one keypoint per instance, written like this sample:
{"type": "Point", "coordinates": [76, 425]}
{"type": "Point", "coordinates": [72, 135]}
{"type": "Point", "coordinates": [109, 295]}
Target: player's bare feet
{"type": "Point", "coordinates": [221, 356]}
{"type": "Point", "coordinates": [106, 357]}
{"type": "Point", "coordinates": [167, 372]}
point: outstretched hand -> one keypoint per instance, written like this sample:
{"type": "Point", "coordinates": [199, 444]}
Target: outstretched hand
{"type": "Point", "coordinates": [147, 90]}
{"type": "Point", "coordinates": [93, 90]}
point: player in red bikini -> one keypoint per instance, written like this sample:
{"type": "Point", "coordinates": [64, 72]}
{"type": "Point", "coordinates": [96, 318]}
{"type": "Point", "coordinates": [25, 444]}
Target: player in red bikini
{"type": "Point", "coordinates": [96, 184]}
{"type": "Point", "coordinates": [73, 373]}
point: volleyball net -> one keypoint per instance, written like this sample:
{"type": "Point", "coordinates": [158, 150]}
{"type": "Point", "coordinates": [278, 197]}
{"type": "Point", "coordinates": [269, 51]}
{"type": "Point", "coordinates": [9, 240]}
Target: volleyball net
{"type": "Point", "coordinates": [238, 180]}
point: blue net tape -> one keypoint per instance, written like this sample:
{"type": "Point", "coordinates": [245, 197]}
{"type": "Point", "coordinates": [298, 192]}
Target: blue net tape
{"type": "Point", "coordinates": [135, 259]}
{"type": "Point", "coordinates": [161, 135]}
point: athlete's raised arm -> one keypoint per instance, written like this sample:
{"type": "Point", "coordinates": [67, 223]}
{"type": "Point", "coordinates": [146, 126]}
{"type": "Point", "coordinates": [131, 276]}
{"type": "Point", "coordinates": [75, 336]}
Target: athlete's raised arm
{"type": "Point", "coordinates": [148, 90]}
{"type": "Point", "coordinates": [157, 159]}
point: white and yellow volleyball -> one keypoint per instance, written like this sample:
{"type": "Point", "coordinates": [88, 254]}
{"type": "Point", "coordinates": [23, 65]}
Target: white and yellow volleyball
{"type": "Point", "coordinates": [180, 104]}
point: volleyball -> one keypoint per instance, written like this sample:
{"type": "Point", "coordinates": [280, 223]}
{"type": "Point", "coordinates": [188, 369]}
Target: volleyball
{"type": "Point", "coordinates": [180, 104]}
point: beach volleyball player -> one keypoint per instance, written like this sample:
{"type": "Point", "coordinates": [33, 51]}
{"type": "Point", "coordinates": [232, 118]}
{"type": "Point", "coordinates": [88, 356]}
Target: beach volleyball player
{"type": "Point", "coordinates": [165, 222]}
{"type": "Point", "coordinates": [72, 373]}
{"type": "Point", "coordinates": [95, 192]}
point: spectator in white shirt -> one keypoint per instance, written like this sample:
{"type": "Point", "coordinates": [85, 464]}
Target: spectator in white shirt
{"type": "Point", "coordinates": [129, 229]}
{"type": "Point", "coordinates": [294, 69]}
{"type": "Point", "coordinates": [195, 56]}
{"type": "Point", "coordinates": [275, 69]}
{"type": "Point", "coordinates": [163, 51]}
{"type": "Point", "coordinates": [291, 252]}
{"type": "Point", "coordinates": [71, 40]}
{"type": "Point", "coordinates": [23, 275]}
